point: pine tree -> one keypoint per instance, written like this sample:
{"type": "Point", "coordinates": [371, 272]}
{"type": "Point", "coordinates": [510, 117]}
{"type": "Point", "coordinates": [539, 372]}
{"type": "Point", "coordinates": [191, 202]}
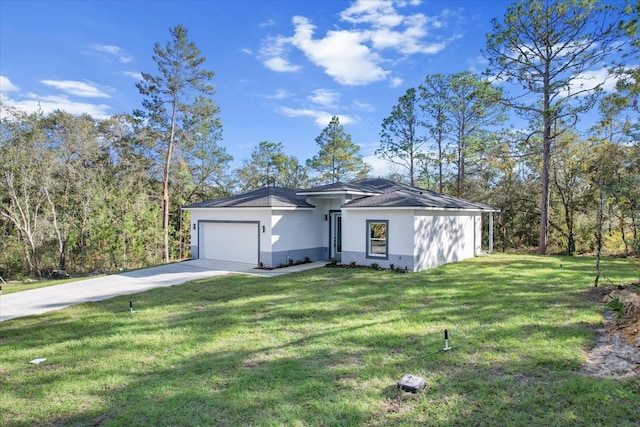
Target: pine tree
{"type": "Point", "coordinates": [168, 96]}
{"type": "Point", "coordinates": [339, 159]}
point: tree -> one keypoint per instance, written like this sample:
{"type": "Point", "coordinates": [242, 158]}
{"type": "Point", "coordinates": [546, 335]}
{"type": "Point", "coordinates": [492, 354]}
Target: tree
{"type": "Point", "coordinates": [400, 142]}
{"type": "Point", "coordinates": [338, 159]}
{"type": "Point", "coordinates": [604, 169]}
{"type": "Point", "coordinates": [513, 192]}
{"type": "Point", "coordinates": [167, 99]}
{"type": "Point", "coordinates": [24, 173]}
{"type": "Point", "coordinates": [75, 171]}
{"type": "Point", "coordinates": [546, 46]}
{"type": "Point", "coordinates": [269, 166]}
{"type": "Point", "coordinates": [207, 160]}
{"type": "Point", "coordinates": [616, 126]}
{"type": "Point", "coordinates": [567, 175]}
{"type": "Point", "coordinates": [434, 93]}
{"type": "Point", "coordinates": [472, 106]}
{"type": "Point", "coordinates": [123, 230]}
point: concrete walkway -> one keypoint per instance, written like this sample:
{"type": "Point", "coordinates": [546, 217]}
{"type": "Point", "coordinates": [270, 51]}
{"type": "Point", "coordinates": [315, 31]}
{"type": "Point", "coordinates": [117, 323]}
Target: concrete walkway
{"type": "Point", "coordinates": [42, 300]}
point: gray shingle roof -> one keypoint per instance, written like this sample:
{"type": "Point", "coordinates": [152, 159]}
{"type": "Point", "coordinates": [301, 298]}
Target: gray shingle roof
{"type": "Point", "coordinates": [393, 194]}
{"type": "Point", "coordinates": [270, 197]}
{"type": "Point", "coordinates": [341, 187]}
{"type": "Point", "coordinates": [378, 192]}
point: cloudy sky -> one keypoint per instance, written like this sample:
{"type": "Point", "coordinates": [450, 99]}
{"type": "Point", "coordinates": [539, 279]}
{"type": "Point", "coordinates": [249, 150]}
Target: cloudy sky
{"type": "Point", "coordinates": [282, 68]}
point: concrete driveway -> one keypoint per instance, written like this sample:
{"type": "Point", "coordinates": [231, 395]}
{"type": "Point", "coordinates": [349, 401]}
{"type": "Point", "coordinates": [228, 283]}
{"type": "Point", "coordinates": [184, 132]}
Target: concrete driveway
{"type": "Point", "coordinates": [51, 298]}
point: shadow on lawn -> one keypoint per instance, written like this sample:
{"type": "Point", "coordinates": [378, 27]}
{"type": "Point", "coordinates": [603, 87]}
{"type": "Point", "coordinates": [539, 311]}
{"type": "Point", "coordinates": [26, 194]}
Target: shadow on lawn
{"type": "Point", "coordinates": [326, 347]}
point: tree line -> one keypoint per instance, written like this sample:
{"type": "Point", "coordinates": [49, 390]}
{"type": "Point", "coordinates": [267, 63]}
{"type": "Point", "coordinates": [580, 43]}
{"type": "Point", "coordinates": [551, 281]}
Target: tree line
{"type": "Point", "coordinates": [84, 194]}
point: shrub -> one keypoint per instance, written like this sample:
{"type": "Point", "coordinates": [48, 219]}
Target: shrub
{"type": "Point", "coordinates": [615, 305]}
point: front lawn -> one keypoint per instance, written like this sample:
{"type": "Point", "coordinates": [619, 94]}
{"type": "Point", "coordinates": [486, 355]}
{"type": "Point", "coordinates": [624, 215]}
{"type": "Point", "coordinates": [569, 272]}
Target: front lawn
{"type": "Point", "coordinates": [20, 286]}
{"type": "Point", "coordinates": [326, 347]}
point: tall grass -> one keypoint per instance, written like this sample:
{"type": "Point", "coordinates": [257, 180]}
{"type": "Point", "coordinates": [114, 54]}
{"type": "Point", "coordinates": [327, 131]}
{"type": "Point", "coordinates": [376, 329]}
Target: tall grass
{"type": "Point", "coordinates": [326, 347]}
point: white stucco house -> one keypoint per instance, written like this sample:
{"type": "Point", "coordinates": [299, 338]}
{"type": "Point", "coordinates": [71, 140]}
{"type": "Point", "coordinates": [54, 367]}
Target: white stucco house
{"type": "Point", "coordinates": [366, 221]}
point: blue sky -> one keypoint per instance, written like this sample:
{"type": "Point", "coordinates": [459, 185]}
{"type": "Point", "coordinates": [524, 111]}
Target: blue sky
{"type": "Point", "coordinates": [282, 68]}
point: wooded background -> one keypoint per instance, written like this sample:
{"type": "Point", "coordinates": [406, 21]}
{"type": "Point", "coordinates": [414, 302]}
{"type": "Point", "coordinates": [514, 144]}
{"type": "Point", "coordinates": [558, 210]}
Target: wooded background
{"type": "Point", "coordinates": [85, 195]}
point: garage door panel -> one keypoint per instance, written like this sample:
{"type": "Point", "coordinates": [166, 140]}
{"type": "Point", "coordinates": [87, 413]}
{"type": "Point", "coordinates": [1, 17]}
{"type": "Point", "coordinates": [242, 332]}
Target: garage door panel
{"type": "Point", "coordinates": [229, 241]}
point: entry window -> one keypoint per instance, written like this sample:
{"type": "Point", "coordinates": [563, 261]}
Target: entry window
{"type": "Point", "coordinates": [377, 243]}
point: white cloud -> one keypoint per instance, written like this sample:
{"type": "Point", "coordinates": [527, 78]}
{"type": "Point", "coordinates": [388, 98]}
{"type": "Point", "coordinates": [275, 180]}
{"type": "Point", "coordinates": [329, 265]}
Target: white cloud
{"type": "Point", "coordinates": [247, 51]}
{"type": "Point", "coordinates": [48, 104]}
{"type": "Point", "coordinates": [30, 102]}
{"type": "Point", "coordinates": [76, 88]}
{"type": "Point", "coordinates": [274, 52]}
{"type": "Point", "coordinates": [379, 13]}
{"type": "Point", "coordinates": [6, 85]}
{"type": "Point", "coordinates": [115, 50]}
{"type": "Point", "coordinates": [588, 80]}
{"type": "Point", "coordinates": [280, 65]}
{"type": "Point", "coordinates": [324, 97]}
{"type": "Point", "coordinates": [279, 94]}
{"type": "Point", "coordinates": [321, 118]}
{"type": "Point", "coordinates": [137, 75]}
{"type": "Point", "coordinates": [112, 50]}
{"type": "Point", "coordinates": [268, 23]}
{"type": "Point", "coordinates": [354, 56]}
{"type": "Point", "coordinates": [379, 167]}
{"type": "Point", "coordinates": [342, 54]}
{"type": "Point", "coordinates": [395, 82]}
{"type": "Point", "coordinates": [363, 106]}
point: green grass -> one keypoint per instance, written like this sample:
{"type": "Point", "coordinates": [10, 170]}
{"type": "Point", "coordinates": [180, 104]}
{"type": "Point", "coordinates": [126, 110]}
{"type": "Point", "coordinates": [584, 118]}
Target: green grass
{"type": "Point", "coordinates": [326, 347]}
{"type": "Point", "coordinates": [17, 286]}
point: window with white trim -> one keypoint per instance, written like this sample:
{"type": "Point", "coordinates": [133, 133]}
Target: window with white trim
{"type": "Point", "coordinates": [377, 243]}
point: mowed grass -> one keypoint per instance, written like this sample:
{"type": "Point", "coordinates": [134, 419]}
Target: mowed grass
{"type": "Point", "coordinates": [17, 286]}
{"type": "Point", "coordinates": [326, 347]}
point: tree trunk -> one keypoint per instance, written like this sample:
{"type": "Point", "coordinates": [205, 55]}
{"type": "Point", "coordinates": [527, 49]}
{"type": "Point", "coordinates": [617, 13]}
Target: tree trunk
{"type": "Point", "coordinates": [546, 163]}
{"type": "Point", "coordinates": [599, 224]}
{"type": "Point", "coordinates": [634, 231]}
{"type": "Point", "coordinates": [440, 164]}
{"type": "Point", "coordinates": [165, 184]}
{"type": "Point", "coordinates": [411, 162]}
{"type": "Point", "coordinates": [624, 235]}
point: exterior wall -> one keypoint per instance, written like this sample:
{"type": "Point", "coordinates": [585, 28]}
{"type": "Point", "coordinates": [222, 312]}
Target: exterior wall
{"type": "Point", "coordinates": [262, 216]}
{"type": "Point", "coordinates": [416, 240]}
{"type": "Point", "coordinates": [295, 234]}
{"type": "Point", "coordinates": [323, 207]}
{"type": "Point", "coordinates": [444, 237]}
{"type": "Point", "coordinates": [478, 234]}
{"type": "Point", "coordinates": [288, 234]}
{"type": "Point", "coordinates": [399, 237]}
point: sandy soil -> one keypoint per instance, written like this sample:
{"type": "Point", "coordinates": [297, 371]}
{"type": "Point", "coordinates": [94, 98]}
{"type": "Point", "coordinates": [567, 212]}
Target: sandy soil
{"type": "Point", "coordinates": [617, 351]}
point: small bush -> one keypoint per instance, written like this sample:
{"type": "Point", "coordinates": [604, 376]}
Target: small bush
{"type": "Point", "coordinates": [615, 305]}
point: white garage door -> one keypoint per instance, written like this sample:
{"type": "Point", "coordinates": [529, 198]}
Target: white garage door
{"type": "Point", "coordinates": [229, 241]}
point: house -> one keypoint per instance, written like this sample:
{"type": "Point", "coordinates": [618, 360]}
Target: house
{"type": "Point", "coordinates": [365, 222]}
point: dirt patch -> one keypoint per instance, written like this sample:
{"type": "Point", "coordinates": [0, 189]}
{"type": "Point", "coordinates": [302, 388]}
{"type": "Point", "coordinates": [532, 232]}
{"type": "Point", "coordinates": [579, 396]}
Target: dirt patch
{"type": "Point", "coordinates": [617, 350]}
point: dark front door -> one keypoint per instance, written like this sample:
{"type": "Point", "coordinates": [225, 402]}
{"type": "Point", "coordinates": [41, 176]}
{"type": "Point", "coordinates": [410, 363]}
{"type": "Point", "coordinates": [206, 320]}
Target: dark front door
{"type": "Point", "coordinates": [335, 235]}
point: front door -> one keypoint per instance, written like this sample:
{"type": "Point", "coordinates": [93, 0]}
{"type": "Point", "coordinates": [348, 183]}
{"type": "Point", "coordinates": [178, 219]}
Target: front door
{"type": "Point", "coordinates": [335, 235]}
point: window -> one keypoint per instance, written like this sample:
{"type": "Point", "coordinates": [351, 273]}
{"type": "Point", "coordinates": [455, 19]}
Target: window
{"type": "Point", "coordinates": [377, 245]}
